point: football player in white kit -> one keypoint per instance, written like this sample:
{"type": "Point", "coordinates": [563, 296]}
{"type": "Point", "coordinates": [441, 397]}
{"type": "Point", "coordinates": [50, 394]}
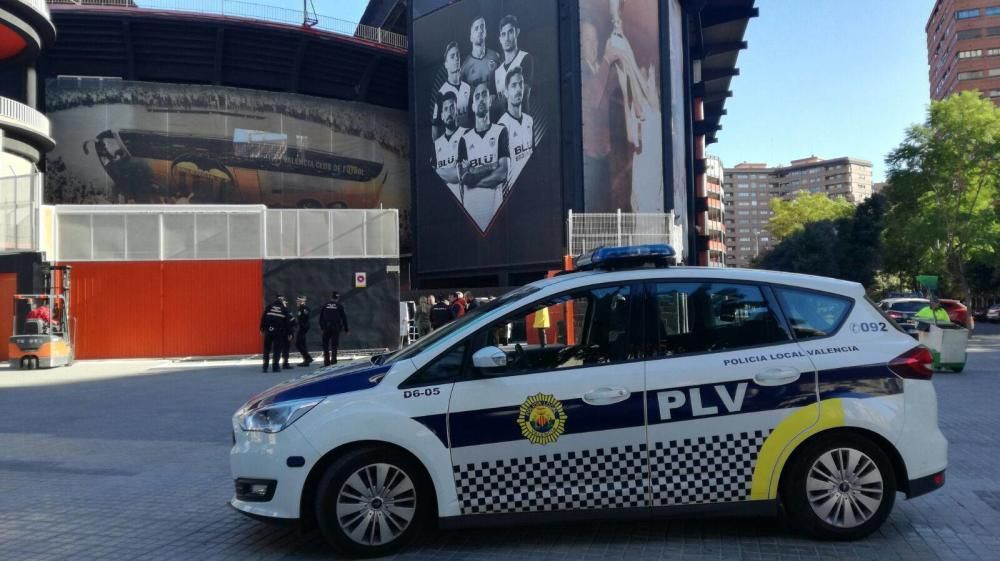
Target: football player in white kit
{"type": "Point", "coordinates": [513, 57]}
{"type": "Point", "coordinates": [483, 162]}
{"type": "Point", "coordinates": [520, 127]}
{"type": "Point", "coordinates": [446, 145]}
{"type": "Point", "coordinates": [454, 85]}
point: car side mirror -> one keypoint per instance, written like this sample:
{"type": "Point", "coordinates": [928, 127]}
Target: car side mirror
{"type": "Point", "coordinates": [489, 358]}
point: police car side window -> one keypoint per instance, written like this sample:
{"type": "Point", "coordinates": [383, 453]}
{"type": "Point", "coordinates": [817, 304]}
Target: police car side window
{"type": "Point", "coordinates": [589, 327]}
{"type": "Point", "coordinates": [813, 314]}
{"type": "Point", "coordinates": [444, 369]}
{"type": "Point", "coordinates": [698, 317]}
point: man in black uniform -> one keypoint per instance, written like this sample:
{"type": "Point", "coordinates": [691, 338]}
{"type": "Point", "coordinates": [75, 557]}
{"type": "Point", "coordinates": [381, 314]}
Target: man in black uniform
{"type": "Point", "coordinates": [286, 342]}
{"type": "Point", "coordinates": [300, 337]}
{"type": "Point", "coordinates": [331, 320]}
{"type": "Point", "coordinates": [273, 324]}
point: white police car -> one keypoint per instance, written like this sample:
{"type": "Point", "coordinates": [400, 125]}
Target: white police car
{"type": "Point", "coordinates": [613, 390]}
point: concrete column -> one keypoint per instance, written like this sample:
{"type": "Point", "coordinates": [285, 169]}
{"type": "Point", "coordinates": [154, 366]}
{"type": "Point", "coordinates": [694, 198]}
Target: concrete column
{"type": "Point", "coordinates": [31, 87]}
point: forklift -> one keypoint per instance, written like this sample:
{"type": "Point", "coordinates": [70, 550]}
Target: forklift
{"type": "Point", "coordinates": [42, 333]}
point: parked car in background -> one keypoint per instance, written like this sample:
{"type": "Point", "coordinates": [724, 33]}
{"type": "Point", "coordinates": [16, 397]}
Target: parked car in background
{"type": "Point", "coordinates": [993, 313]}
{"type": "Point", "coordinates": [958, 313]}
{"type": "Point", "coordinates": [902, 310]}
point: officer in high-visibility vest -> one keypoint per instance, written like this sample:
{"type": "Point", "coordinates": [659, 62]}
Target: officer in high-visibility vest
{"type": "Point", "coordinates": [542, 324]}
{"type": "Point", "coordinates": [932, 313]}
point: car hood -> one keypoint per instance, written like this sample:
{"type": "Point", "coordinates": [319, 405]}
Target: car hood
{"type": "Point", "coordinates": [356, 376]}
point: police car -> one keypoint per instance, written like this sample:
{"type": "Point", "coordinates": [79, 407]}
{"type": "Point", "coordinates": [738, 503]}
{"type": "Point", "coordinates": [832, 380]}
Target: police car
{"type": "Point", "coordinates": [617, 389]}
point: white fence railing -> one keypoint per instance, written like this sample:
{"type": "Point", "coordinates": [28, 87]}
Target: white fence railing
{"type": "Point", "coordinates": [214, 232]}
{"type": "Point", "coordinates": [254, 10]}
{"type": "Point", "coordinates": [589, 231]}
{"type": "Point", "coordinates": [19, 198]}
{"type": "Point", "coordinates": [17, 114]}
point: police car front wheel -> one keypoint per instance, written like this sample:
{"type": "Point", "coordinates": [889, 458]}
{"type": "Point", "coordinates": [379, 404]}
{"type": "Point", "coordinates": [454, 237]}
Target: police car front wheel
{"type": "Point", "coordinates": [840, 488]}
{"type": "Point", "coordinates": [372, 501]}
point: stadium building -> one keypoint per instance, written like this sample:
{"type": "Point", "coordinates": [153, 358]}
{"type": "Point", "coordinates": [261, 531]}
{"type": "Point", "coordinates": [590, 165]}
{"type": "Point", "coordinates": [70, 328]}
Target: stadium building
{"type": "Point", "coordinates": [204, 160]}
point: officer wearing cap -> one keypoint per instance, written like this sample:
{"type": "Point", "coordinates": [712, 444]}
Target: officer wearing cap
{"type": "Point", "coordinates": [300, 336]}
{"type": "Point", "coordinates": [286, 341]}
{"type": "Point", "coordinates": [274, 327]}
{"type": "Point", "coordinates": [332, 319]}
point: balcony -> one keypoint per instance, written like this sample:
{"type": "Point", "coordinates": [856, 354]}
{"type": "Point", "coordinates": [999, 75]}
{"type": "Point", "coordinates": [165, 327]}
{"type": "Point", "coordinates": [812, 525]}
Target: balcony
{"type": "Point", "coordinates": [20, 122]}
{"type": "Point", "coordinates": [32, 20]}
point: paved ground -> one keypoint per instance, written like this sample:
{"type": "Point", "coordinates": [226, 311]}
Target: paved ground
{"type": "Point", "coordinates": [129, 460]}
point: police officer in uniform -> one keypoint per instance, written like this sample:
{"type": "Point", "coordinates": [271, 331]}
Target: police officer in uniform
{"type": "Point", "coordinates": [274, 324]}
{"type": "Point", "coordinates": [300, 336]}
{"type": "Point", "coordinates": [332, 320]}
{"type": "Point", "coordinates": [286, 342]}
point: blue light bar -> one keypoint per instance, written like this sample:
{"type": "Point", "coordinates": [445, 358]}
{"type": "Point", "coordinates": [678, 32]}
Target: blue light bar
{"type": "Point", "coordinates": [628, 256]}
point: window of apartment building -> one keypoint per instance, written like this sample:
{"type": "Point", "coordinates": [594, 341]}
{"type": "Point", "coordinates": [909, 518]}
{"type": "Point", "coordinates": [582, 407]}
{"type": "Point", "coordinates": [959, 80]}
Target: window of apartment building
{"type": "Point", "coordinates": [992, 31]}
{"type": "Point", "coordinates": [969, 34]}
{"type": "Point", "coordinates": [972, 75]}
{"type": "Point", "coordinates": [994, 72]}
{"type": "Point", "coordinates": [992, 52]}
{"type": "Point", "coordinates": [966, 14]}
{"type": "Point", "coordinates": [970, 54]}
{"type": "Point", "coordinates": [994, 11]}
{"type": "Point", "coordinates": [994, 93]}
{"type": "Point", "coordinates": [743, 203]}
{"type": "Point", "coordinates": [742, 212]}
{"type": "Point", "coordinates": [743, 240]}
{"type": "Point", "coordinates": [742, 186]}
{"type": "Point", "coordinates": [743, 194]}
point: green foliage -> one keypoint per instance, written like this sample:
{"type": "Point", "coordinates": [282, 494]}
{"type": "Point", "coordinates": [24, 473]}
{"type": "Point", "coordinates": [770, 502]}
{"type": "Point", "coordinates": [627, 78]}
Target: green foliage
{"type": "Point", "coordinates": [943, 193]}
{"type": "Point", "coordinates": [792, 215]}
{"type": "Point", "coordinates": [847, 247]}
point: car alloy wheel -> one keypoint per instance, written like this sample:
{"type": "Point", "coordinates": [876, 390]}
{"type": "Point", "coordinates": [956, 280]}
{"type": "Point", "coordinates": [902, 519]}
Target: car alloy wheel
{"type": "Point", "coordinates": [376, 504]}
{"type": "Point", "coordinates": [845, 487]}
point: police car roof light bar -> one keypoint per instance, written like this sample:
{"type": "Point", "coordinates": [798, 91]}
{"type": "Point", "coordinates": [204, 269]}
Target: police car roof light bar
{"type": "Point", "coordinates": [627, 257]}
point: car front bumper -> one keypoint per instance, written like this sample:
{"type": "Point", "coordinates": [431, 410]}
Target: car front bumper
{"type": "Point", "coordinates": [279, 462]}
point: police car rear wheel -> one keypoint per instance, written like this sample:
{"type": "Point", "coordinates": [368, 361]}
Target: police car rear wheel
{"type": "Point", "coordinates": [840, 488]}
{"type": "Point", "coordinates": [371, 502]}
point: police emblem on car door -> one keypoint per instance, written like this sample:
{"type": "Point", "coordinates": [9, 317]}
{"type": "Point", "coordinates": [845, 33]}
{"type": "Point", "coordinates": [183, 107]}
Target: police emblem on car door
{"type": "Point", "coordinates": [722, 372]}
{"type": "Point", "coordinates": [552, 417]}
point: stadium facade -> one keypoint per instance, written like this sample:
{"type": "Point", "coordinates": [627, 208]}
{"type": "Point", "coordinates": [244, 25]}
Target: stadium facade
{"type": "Point", "coordinates": [306, 120]}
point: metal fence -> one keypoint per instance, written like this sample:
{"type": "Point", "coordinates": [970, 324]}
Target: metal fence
{"type": "Point", "coordinates": [254, 10]}
{"type": "Point", "coordinates": [589, 231]}
{"type": "Point", "coordinates": [214, 232]}
{"type": "Point", "coordinates": [19, 197]}
{"type": "Point", "coordinates": [328, 234]}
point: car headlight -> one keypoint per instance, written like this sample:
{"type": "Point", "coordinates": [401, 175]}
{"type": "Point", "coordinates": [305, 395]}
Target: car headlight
{"type": "Point", "coordinates": [276, 417]}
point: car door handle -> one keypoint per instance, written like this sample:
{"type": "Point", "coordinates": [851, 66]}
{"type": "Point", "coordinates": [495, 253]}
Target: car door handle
{"type": "Point", "coordinates": [777, 376]}
{"type": "Point", "coordinates": [606, 396]}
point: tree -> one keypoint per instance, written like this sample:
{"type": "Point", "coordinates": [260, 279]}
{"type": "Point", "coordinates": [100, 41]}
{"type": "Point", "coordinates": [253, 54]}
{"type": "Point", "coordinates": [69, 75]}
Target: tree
{"type": "Point", "coordinates": [847, 248]}
{"type": "Point", "coordinates": [792, 215]}
{"type": "Point", "coordinates": [943, 190]}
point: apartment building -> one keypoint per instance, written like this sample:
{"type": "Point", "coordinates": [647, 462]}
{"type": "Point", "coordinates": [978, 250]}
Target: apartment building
{"type": "Point", "coordinates": [963, 47]}
{"type": "Point", "coordinates": [749, 187]}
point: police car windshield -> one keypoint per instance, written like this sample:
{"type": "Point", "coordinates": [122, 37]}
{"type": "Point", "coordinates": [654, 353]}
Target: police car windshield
{"type": "Point", "coordinates": [449, 328]}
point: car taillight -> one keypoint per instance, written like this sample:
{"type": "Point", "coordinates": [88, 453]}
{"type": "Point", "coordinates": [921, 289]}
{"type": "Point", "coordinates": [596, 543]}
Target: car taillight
{"type": "Point", "coordinates": [913, 364]}
{"type": "Point", "coordinates": [896, 315]}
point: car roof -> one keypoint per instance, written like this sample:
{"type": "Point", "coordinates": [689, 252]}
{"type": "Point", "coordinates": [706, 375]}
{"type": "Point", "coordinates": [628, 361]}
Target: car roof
{"type": "Point", "coordinates": [898, 300]}
{"type": "Point", "coordinates": [574, 279]}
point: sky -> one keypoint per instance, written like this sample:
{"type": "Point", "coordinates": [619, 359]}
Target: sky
{"type": "Point", "coordinates": [827, 77]}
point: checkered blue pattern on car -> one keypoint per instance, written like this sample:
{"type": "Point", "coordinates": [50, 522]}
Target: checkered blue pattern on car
{"type": "Point", "coordinates": [610, 477]}
{"type": "Point", "coordinates": [707, 469]}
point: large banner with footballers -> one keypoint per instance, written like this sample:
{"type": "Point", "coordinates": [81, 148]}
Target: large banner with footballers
{"type": "Point", "coordinates": [486, 113]}
{"type": "Point", "coordinates": [622, 117]}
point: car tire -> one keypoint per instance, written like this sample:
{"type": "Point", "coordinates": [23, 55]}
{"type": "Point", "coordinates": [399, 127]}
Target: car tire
{"type": "Point", "coordinates": [824, 497]}
{"type": "Point", "coordinates": [354, 507]}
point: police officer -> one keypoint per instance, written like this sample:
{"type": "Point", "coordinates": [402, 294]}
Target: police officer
{"type": "Point", "coordinates": [286, 343]}
{"type": "Point", "coordinates": [300, 336]}
{"type": "Point", "coordinates": [332, 320]}
{"type": "Point", "coordinates": [274, 324]}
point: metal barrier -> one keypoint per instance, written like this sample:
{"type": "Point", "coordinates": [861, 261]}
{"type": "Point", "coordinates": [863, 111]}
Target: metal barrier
{"type": "Point", "coordinates": [589, 231]}
{"type": "Point", "coordinates": [253, 10]}
{"type": "Point", "coordinates": [19, 197]}
{"type": "Point", "coordinates": [213, 232]}
{"type": "Point", "coordinates": [20, 115]}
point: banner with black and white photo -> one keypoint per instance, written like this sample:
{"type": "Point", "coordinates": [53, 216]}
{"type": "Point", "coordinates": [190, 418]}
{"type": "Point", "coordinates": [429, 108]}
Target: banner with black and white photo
{"type": "Point", "coordinates": [486, 114]}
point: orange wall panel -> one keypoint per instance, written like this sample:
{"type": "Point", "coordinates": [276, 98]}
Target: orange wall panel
{"type": "Point", "coordinates": [116, 308]}
{"type": "Point", "coordinates": [211, 308]}
{"type": "Point", "coordinates": [8, 288]}
{"type": "Point", "coordinates": [154, 309]}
